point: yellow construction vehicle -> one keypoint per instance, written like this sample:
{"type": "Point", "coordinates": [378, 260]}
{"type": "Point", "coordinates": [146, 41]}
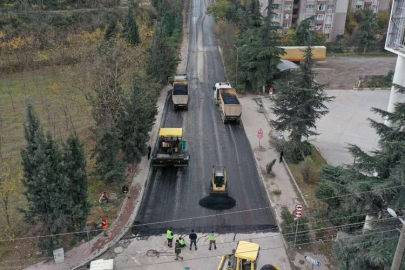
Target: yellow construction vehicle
{"type": "Point", "coordinates": [219, 183]}
{"type": "Point", "coordinates": [171, 149]}
{"type": "Point", "coordinates": [243, 258]}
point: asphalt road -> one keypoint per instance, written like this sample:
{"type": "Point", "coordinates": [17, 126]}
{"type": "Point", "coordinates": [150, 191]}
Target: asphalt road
{"type": "Point", "coordinates": [173, 194]}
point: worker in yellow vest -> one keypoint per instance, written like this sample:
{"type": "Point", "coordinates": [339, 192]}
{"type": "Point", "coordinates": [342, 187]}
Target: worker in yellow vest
{"type": "Point", "coordinates": [169, 236]}
{"type": "Point", "coordinates": [182, 242]}
{"type": "Point", "coordinates": [213, 238]}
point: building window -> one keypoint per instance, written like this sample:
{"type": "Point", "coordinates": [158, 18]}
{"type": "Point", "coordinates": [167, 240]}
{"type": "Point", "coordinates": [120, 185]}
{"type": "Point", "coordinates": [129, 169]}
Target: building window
{"type": "Point", "coordinates": [328, 18]}
{"type": "Point", "coordinates": [287, 16]}
{"type": "Point", "coordinates": [276, 6]}
{"type": "Point", "coordinates": [288, 7]}
{"type": "Point", "coordinates": [330, 7]}
{"type": "Point", "coordinates": [318, 27]}
{"type": "Point", "coordinates": [286, 25]}
{"type": "Point", "coordinates": [358, 7]}
{"type": "Point", "coordinates": [307, 16]}
{"type": "Point", "coordinates": [321, 7]}
{"type": "Point", "coordinates": [320, 17]}
{"type": "Point", "coordinates": [327, 28]}
{"type": "Point", "coordinates": [276, 17]}
{"type": "Point", "coordinates": [310, 7]}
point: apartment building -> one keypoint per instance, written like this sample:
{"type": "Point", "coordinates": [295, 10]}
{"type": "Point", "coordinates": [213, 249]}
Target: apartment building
{"type": "Point", "coordinates": [375, 5]}
{"type": "Point", "coordinates": [330, 15]}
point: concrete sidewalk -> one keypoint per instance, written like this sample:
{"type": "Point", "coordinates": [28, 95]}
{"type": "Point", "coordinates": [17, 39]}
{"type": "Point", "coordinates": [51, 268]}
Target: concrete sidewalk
{"type": "Point", "coordinates": [256, 115]}
{"type": "Point", "coordinates": [87, 251]}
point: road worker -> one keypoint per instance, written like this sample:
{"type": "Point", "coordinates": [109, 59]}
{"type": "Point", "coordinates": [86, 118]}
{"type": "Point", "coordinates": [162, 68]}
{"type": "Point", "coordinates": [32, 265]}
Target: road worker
{"type": "Point", "coordinates": [177, 250]}
{"type": "Point", "coordinates": [169, 236]}
{"type": "Point", "coordinates": [104, 225]}
{"type": "Point", "coordinates": [182, 242]}
{"type": "Point", "coordinates": [212, 238]}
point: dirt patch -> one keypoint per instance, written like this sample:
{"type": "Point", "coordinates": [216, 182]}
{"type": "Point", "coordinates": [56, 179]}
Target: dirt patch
{"type": "Point", "coordinates": [344, 72]}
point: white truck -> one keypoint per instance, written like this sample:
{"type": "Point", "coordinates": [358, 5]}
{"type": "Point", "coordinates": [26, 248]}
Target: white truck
{"type": "Point", "coordinates": [227, 100]}
{"type": "Point", "coordinates": [180, 91]}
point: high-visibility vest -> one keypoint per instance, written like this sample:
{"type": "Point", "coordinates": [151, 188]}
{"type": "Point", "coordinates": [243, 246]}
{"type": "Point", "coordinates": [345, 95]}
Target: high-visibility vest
{"type": "Point", "coordinates": [169, 234]}
{"type": "Point", "coordinates": [181, 241]}
{"type": "Point", "coordinates": [105, 225]}
{"type": "Point", "coordinates": [212, 237]}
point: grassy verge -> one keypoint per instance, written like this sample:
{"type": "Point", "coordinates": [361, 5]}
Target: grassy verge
{"type": "Point", "coordinates": [308, 188]}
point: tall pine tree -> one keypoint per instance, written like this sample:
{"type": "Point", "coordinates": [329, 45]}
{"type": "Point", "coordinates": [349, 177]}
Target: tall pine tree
{"type": "Point", "coordinates": [136, 122]}
{"type": "Point", "coordinates": [131, 31]}
{"type": "Point", "coordinates": [298, 106]}
{"type": "Point", "coordinates": [377, 180]}
{"type": "Point", "coordinates": [162, 61]}
{"type": "Point", "coordinates": [74, 161]}
{"type": "Point", "coordinates": [259, 54]}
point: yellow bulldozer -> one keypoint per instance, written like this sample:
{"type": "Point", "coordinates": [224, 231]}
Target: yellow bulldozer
{"type": "Point", "coordinates": [243, 258]}
{"type": "Point", "coordinates": [219, 182]}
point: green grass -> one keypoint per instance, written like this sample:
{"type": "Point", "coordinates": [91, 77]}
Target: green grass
{"type": "Point", "coordinates": [53, 91]}
{"type": "Point", "coordinates": [308, 189]}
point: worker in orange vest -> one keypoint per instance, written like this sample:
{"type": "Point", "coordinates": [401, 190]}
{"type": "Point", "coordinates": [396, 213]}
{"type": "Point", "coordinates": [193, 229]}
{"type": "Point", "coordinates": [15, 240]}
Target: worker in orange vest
{"type": "Point", "coordinates": [104, 224]}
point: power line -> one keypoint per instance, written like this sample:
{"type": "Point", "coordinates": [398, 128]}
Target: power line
{"type": "Point", "coordinates": [211, 256]}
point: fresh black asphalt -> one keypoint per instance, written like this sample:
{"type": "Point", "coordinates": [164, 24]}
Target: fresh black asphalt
{"type": "Point", "coordinates": [173, 194]}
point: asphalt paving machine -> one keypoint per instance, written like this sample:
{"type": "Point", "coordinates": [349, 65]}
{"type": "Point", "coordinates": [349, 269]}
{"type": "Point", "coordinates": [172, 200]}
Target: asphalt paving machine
{"type": "Point", "coordinates": [171, 149]}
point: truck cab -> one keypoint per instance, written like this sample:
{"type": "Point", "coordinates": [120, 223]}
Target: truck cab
{"type": "Point", "coordinates": [180, 91]}
{"type": "Point", "coordinates": [219, 86]}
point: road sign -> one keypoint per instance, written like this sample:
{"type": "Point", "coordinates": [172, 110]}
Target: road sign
{"type": "Point", "coordinates": [260, 133]}
{"type": "Point", "coordinates": [299, 207]}
{"type": "Point", "coordinates": [313, 261]}
{"type": "Point", "coordinates": [298, 214]}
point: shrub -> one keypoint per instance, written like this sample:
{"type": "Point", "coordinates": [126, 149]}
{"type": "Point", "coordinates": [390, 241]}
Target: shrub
{"type": "Point", "coordinates": [269, 166]}
{"type": "Point", "coordinates": [296, 152]}
{"type": "Point", "coordinates": [308, 171]}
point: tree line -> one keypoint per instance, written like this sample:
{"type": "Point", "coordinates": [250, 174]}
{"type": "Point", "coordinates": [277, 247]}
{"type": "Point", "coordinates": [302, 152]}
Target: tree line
{"type": "Point", "coordinates": [55, 173]}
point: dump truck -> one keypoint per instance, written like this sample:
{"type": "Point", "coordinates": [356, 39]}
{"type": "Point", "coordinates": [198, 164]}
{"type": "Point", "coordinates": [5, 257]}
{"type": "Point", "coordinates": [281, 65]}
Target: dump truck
{"type": "Point", "coordinates": [227, 100]}
{"type": "Point", "coordinates": [243, 258]}
{"type": "Point", "coordinates": [179, 92]}
{"type": "Point", "coordinates": [219, 183]}
{"type": "Point", "coordinates": [297, 53]}
{"type": "Point", "coordinates": [171, 149]}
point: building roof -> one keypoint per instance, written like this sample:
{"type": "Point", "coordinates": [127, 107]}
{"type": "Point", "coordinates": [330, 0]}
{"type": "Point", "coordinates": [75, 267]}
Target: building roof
{"type": "Point", "coordinates": [171, 132]}
{"type": "Point", "coordinates": [287, 65]}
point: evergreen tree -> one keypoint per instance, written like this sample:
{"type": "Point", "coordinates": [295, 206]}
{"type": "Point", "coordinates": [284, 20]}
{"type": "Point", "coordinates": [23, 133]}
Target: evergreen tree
{"type": "Point", "coordinates": [131, 31]}
{"type": "Point", "coordinates": [108, 165]}
{"type": "Point", "coordinates": [255, 15]}
{"type": "Point", "coordinates": [136, 122]}
{"type": "Point", "coordinates": [381, 174]}
{"type": "Point", "coordinates": [32, 130]}
{"type": "Point", "coordinates": [74, 161]}
{"type": "Point", "coordinates": [298, 106]}
{"type": "Point", "coordinates": [367, 30]}
{"type": "Point", "coordinates": [162, 61]}
{"type": "Point", "coordinates": [259, 54]}
{"type": "Point", "coordinates": [45, 182]}
{"type": "Point", "coordinates": [111, 28]}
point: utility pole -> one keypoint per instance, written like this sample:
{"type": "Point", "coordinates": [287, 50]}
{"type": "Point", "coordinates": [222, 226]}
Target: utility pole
{"type": "Point", "coordinates": [399, 253]}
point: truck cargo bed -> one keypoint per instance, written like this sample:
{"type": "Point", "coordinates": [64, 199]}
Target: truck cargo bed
{"type": "Point", "coordinates": [180, 89]}
{"type": "Point", "coordinates": [229, 98]}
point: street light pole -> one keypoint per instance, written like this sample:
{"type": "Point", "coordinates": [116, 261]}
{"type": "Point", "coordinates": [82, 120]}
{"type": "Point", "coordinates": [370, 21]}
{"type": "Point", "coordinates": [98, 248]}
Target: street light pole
{"type": "Point", "coordinates": [399, 253]}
